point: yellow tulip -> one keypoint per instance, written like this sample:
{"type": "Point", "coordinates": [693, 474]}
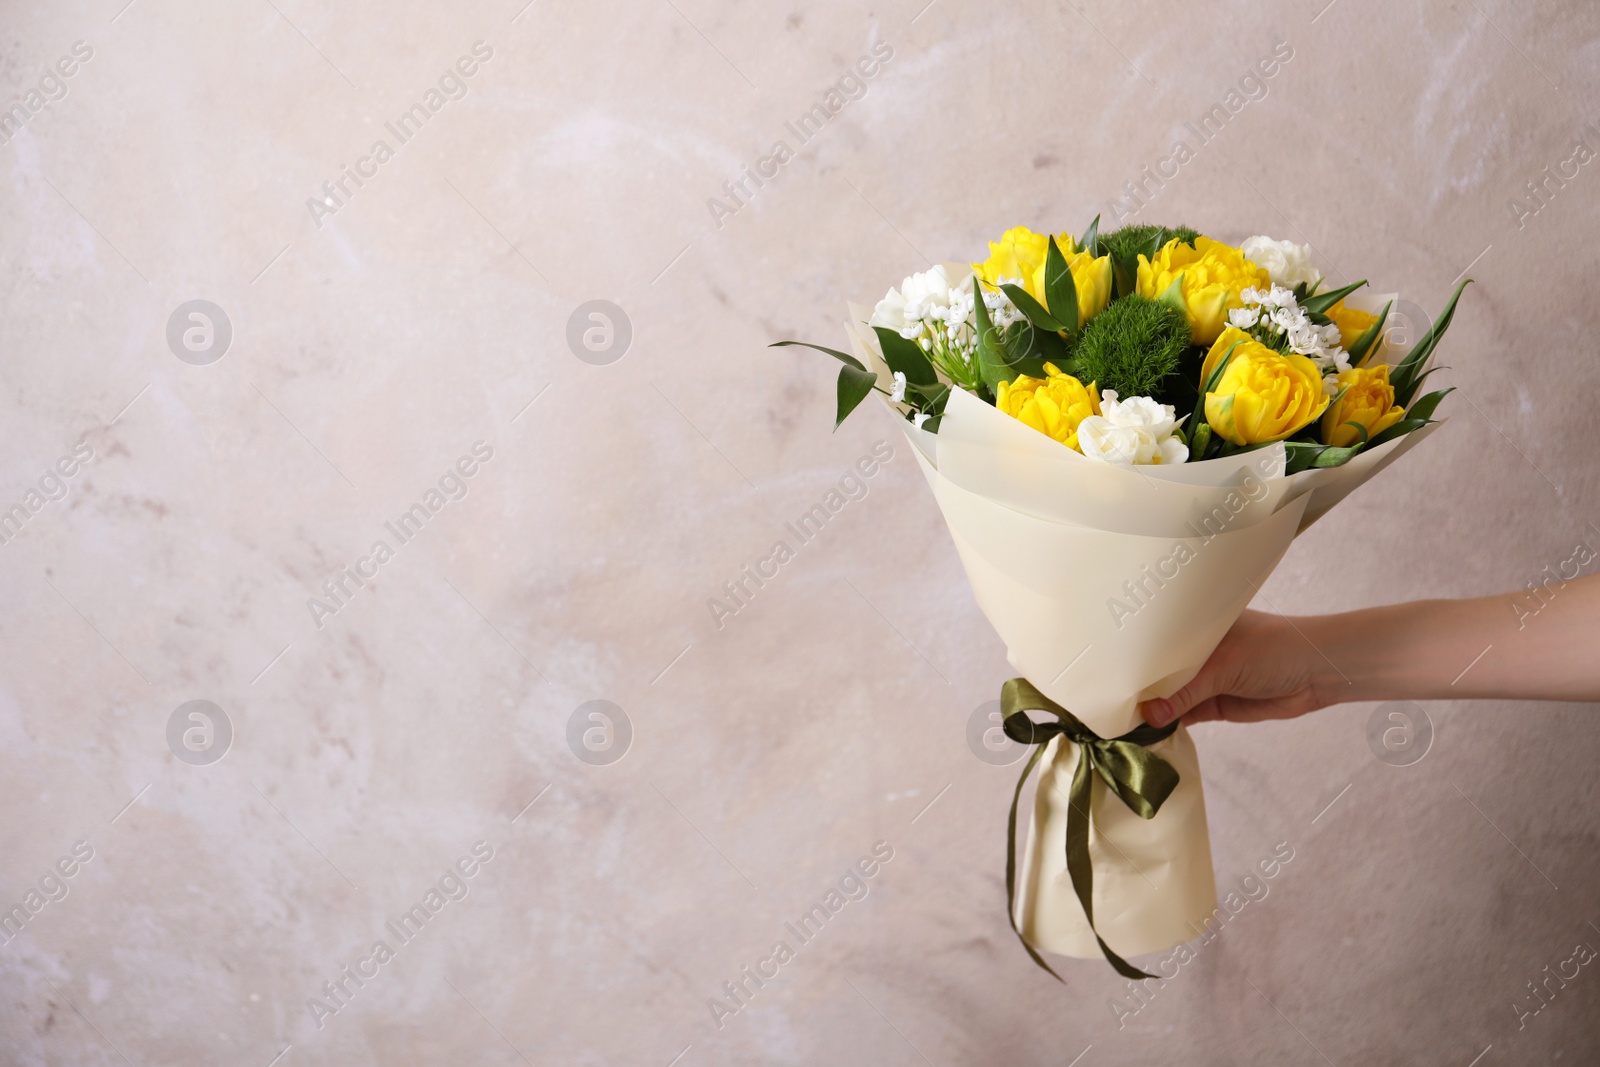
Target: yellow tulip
{"type": "Point", "coordinates": [1368, 399]}
{"type": "Point", "coordinates": [1352, 324]}
{"type": "Point", "coordinates": [1213, 276]}
{"type": "Point", "coordinates": [1053, 405]}
{"type": "Point", "coordinates": [1263, 395]}
{"type": "Point", "coordinates": [1020, 253]}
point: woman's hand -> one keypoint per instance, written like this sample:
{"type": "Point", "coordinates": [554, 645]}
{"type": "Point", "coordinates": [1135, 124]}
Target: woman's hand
{"type": "Point", "coordinates": [1264, 668]}
{"type": "Point", "coordinates": [1543, 644]}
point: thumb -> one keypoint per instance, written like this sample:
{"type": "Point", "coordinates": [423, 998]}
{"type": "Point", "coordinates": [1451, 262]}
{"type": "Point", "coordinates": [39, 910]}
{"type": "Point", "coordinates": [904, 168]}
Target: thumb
{"type": "Point", "coordinates": [1200, 688]}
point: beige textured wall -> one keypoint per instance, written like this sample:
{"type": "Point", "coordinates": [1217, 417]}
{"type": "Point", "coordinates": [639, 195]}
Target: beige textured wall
{"type": "Point", "coordinates": [373, 347]}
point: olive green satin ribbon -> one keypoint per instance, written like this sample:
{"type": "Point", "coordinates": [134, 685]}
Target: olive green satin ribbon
{"type": "Point", "coordinates": [1141, 779]}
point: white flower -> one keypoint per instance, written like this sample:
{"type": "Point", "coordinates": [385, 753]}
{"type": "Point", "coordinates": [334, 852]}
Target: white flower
{"type": "Point", "coordinates": [1136, 430]}
{"type": "Point", "coordinates": [929, 287]}
{"type": "Point", "coordinates": [918, 419]}
{"type": "Point", "coordinates": [1285, 262]}
{"type": "Point", "coordinates": [918, 297]}
{"type": "Point", "coordinates": [898, 393]}
{"type": "Point", "coordinates": [1244, 318]}
{"type": "Point", "coordinates": [890, 312]}
{"type": "Point", "coordinates": [1275, 297]}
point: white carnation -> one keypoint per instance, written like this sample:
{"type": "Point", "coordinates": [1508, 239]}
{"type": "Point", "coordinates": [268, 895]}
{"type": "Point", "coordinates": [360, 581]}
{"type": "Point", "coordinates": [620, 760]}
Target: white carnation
{"type": "Point", "coordinates": [1136, 430]}
{"type": "Point", "coordinates": [1287, 263]}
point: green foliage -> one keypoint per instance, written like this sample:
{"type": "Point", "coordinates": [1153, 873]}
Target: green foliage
{"type": "Point", "coordinates": [1132, 346]}
{"type": "Point", "coordinates": [1128, 242]}
{"type": "Point", "coordinates": [1409, 374]}
{"type": "Point", "coordinates": [1304, 455]}
{"type": "Point", "coordinates": [1124, 246]}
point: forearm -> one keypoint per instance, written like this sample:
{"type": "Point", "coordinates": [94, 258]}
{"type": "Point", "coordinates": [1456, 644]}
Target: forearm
{"type": "Point", "coordinates": [1527, 646]}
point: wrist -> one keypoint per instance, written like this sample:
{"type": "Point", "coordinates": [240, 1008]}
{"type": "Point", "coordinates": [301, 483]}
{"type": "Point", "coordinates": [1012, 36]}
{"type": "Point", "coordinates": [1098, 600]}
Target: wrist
{"type": "Point", "coordinates": [1364, 655]}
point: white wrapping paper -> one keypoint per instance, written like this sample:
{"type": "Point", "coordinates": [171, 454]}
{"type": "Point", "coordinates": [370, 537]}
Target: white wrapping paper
{"type": "Point", "coordinates": [1109, 586]}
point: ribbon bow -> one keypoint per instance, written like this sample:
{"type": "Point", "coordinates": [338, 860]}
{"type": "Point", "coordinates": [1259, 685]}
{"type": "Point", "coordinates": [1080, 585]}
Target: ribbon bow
{"type": "Point", "coordinates": [1141, 779]}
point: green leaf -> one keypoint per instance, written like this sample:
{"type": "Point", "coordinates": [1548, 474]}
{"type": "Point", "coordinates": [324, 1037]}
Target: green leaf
{"type": "Point", "coordinates": [1124, 275]}
{"type": "Point", "coordinates": [1335, 457]}
{"type": "Point", "coordinates": [1028, 348]}
{"type": "Point", "coordinates": [905, 356]}
{"type": "Point", "coordinates": [1364, 343]}
{"type": "Point", "coordinates": [1424, 408]}
{"type": "Point", "coordinates": [1202, 433]}
{"type": "Point", "coordinates": [1320, 302]}
{"type": "Point", "coordinates": [994, 363]}
{"type": "Point", "coordinates": [1360, 429]}
{"type": "Point", "coordinates": [1298, 456]}
{"type": "Point", "coordinates": [932, 397]}
{"type": "Point", "coordinates": [1060, 293]}
{"type": "Point", "coordinates": [1173, 295]}
{"type": "Point", "coordinates": [1156, 242]}
{"type": "Point", "coordinates": [1040, 347]}
{"type": "Point", "coordinates": [1216, 372]}
{"type": "Point", "coordinates": [930, 400]}
{"type": "Point", "coordinates": [1032, 309]}
{"type": "Point", "coordinates": [1399, 429]}
{"type": "Point", "coordinates": [1304, 455]}
{"type": "Point", "coordinates": [854, 385]}
{"type": "Point", "coordinates": [1408, 374]}
{"type": "Point", "coordinates": [842, 357]}
{"type": "Point", "coordinates": [1090, 241]}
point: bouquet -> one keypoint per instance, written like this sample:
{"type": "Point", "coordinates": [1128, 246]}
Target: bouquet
{"type": "Point", "coordinates": [1124, 433]}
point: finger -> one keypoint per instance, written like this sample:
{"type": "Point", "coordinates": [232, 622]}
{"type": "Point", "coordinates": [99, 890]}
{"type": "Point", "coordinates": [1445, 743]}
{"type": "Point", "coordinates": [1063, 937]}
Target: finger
{"type": "Point", "coordinates": [1201, 687]}
{"type": "Point", "coordinates": [1207, 710]}
{"type": "Point", "coordinates": [1158, 712]}
{"type": "Point", "coordinates": [1229, 708]}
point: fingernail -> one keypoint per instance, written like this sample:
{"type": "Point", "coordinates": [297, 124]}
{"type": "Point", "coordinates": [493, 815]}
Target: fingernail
{"type": "Point", "coordinates": [1158, 713]}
